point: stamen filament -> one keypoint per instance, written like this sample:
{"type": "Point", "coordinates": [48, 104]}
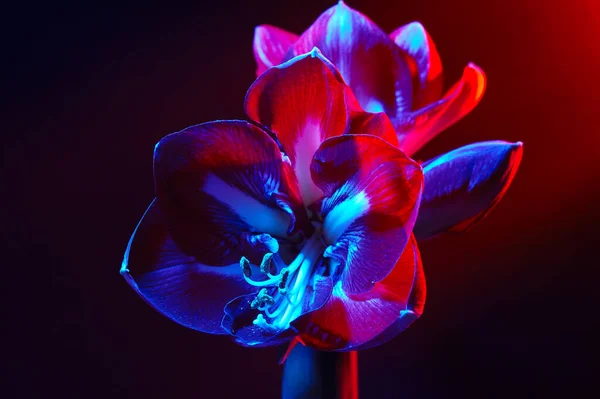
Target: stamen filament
{"type": "Point", "coordinates": [264, 283]}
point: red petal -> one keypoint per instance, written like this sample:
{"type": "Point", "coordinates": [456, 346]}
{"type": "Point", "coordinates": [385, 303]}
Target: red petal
{"type": "Point", "coordinates": [347, 321]}
{"type": "Point", "coordinates": [372, 193]}
{"type": "Point", "coordinates": [417, 129]}
{"type": "Point", "coordinates": [270, 45]}
{"type": "Point", "coordinates": [416, 42]}
{"type": "Point", "coordinates": [303, 102]}
{"type": "Point", "coordinates": [373, 124]}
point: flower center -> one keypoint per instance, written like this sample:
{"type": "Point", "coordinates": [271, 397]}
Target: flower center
{"type": "Point", "coordinates": [281, 297]}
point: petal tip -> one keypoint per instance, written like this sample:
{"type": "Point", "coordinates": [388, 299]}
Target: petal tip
{"type": "Point", "coordinates": [474, 66]}
{"type": "Point", "coordinates": [124, 270]}
{"type": "Point", "coordinates": [516, 154]}
{"type": "Point", "coordinates": [315, 52]}
{"type": "Point", "coordinates": [416, 25]}
{"type": "Point", "coordinates": [480, 81]}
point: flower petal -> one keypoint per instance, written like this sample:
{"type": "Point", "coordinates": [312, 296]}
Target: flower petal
{"type": "Point", "coordinates": [418, 128]}
{"type": "Point", "coordinates": [414, 40]}
{"type": "Point", "coordinates": [371, 64]}
{"type": "Point", "coordinates": [270, 45]}
{"type": "Point", "coordinates": [239, 316]}
{"type": "Point", "coordinates": [177, 285]}
{"type": "Point", "coordinates": [218, 182]}
{"type": "Point", "coordinates": [414, 309]}
{"type": "Point", "coordinates": [375, 124]}
{"type": "Point", "coordinates": [302, 102]}
{"type": "Point", "coordinates": [462, 186]}
{"type": "Point", "coordinates": [372, 193]}
{"type": "Point", "coordinates": [347, 321]}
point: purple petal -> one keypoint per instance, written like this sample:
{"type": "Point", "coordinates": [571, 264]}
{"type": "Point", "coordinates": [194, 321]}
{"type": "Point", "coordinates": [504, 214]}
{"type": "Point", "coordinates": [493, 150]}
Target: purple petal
{"type": "Point", "coordinates": [270, 45]}
{"type": "Point", "coordinates": [177, 285]}
{"type": "Point", "coordinates": [219, 181]}
{"type": "Point", "coordinates": [372, 192]}
{"type": "Point", "coordinates": [416, 42]}
{"type": "Point", "coordinates": [348, 321]}
{"type": "Point", "coordinates": [372, 65]}
{"type": "Point", "coordinates": [462, 186]}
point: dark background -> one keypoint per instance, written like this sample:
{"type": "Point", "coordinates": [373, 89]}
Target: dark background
{"type": "Point", "coordinates": [88, 91]}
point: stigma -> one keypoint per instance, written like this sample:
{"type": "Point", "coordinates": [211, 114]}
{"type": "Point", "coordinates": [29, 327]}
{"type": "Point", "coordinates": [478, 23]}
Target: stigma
{"type": "Point", "coordinates": [283, 286]}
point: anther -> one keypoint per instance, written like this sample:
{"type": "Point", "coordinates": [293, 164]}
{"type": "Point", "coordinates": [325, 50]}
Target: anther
{"type": "Point", "coordinates": [265, 264]}
{"type": "Point", "coordinates": [264, 241]}
{"type": "Point", "coordinates": [262, 300]}
{"type": "Point", "coordinates": [245, 265]}
{"type": "Point", "coordinates": [284, 278]}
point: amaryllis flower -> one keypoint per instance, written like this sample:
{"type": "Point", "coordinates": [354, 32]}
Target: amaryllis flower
{"type": "Point", "coordinates": [399, 73]}
{"type": "Point", "coordinates": [296, 225]}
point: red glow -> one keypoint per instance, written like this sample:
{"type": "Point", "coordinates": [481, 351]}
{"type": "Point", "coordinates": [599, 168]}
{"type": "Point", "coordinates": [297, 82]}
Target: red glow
{"type": "Point", "coordinates": [347, 375]}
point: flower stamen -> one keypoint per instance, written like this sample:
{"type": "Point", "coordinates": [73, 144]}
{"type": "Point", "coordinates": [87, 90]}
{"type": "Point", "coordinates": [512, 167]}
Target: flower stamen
{"type": "Point", "coordinates": [262, 300]}
{"type": "Point", "coordinates": [281, 299]}
{"type": "Point", "coordinates": [245, 265]}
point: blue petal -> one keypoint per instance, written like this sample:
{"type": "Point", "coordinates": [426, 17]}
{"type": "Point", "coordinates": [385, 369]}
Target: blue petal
{"type": "Point", "coordinates": [463, 186]}
{"type": "Point", "coordinates": [177, 285]}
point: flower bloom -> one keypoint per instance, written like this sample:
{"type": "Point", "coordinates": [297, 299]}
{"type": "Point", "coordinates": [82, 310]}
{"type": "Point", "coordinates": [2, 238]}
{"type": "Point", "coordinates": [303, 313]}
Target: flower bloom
{"type": "Point", "coordinates": [297, 225]}
{"type": "Point", "coordinates": [401, 75]}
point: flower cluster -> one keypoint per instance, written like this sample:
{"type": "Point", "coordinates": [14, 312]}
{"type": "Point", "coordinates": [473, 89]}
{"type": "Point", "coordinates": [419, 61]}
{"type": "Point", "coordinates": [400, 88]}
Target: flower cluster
{"type": "Point", "coordinates": [302, 223]}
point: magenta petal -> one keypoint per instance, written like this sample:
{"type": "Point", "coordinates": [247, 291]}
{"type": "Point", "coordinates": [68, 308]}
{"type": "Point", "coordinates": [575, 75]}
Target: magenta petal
{"type": "Point", "coordinates": [270, 45]}
{"type": "Point", "coordinates": [462, 186]}
{"type": "Point", "coordinates": [217, 182]}
{"type": "Point", "coordinates": [371, 199]}
{"type": "Point", "coordinates": [418, 128]}
{"type": "Point", "coordinates": [303, 103]}
{"type": "Point", "coordinates": [371, 64]}
{"type": "Point", "coordinates": [348, 321]}
{"type": "Point", "coordinates": [177, 285]}
{"type": "Point", "coordinates": [416, 42]}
